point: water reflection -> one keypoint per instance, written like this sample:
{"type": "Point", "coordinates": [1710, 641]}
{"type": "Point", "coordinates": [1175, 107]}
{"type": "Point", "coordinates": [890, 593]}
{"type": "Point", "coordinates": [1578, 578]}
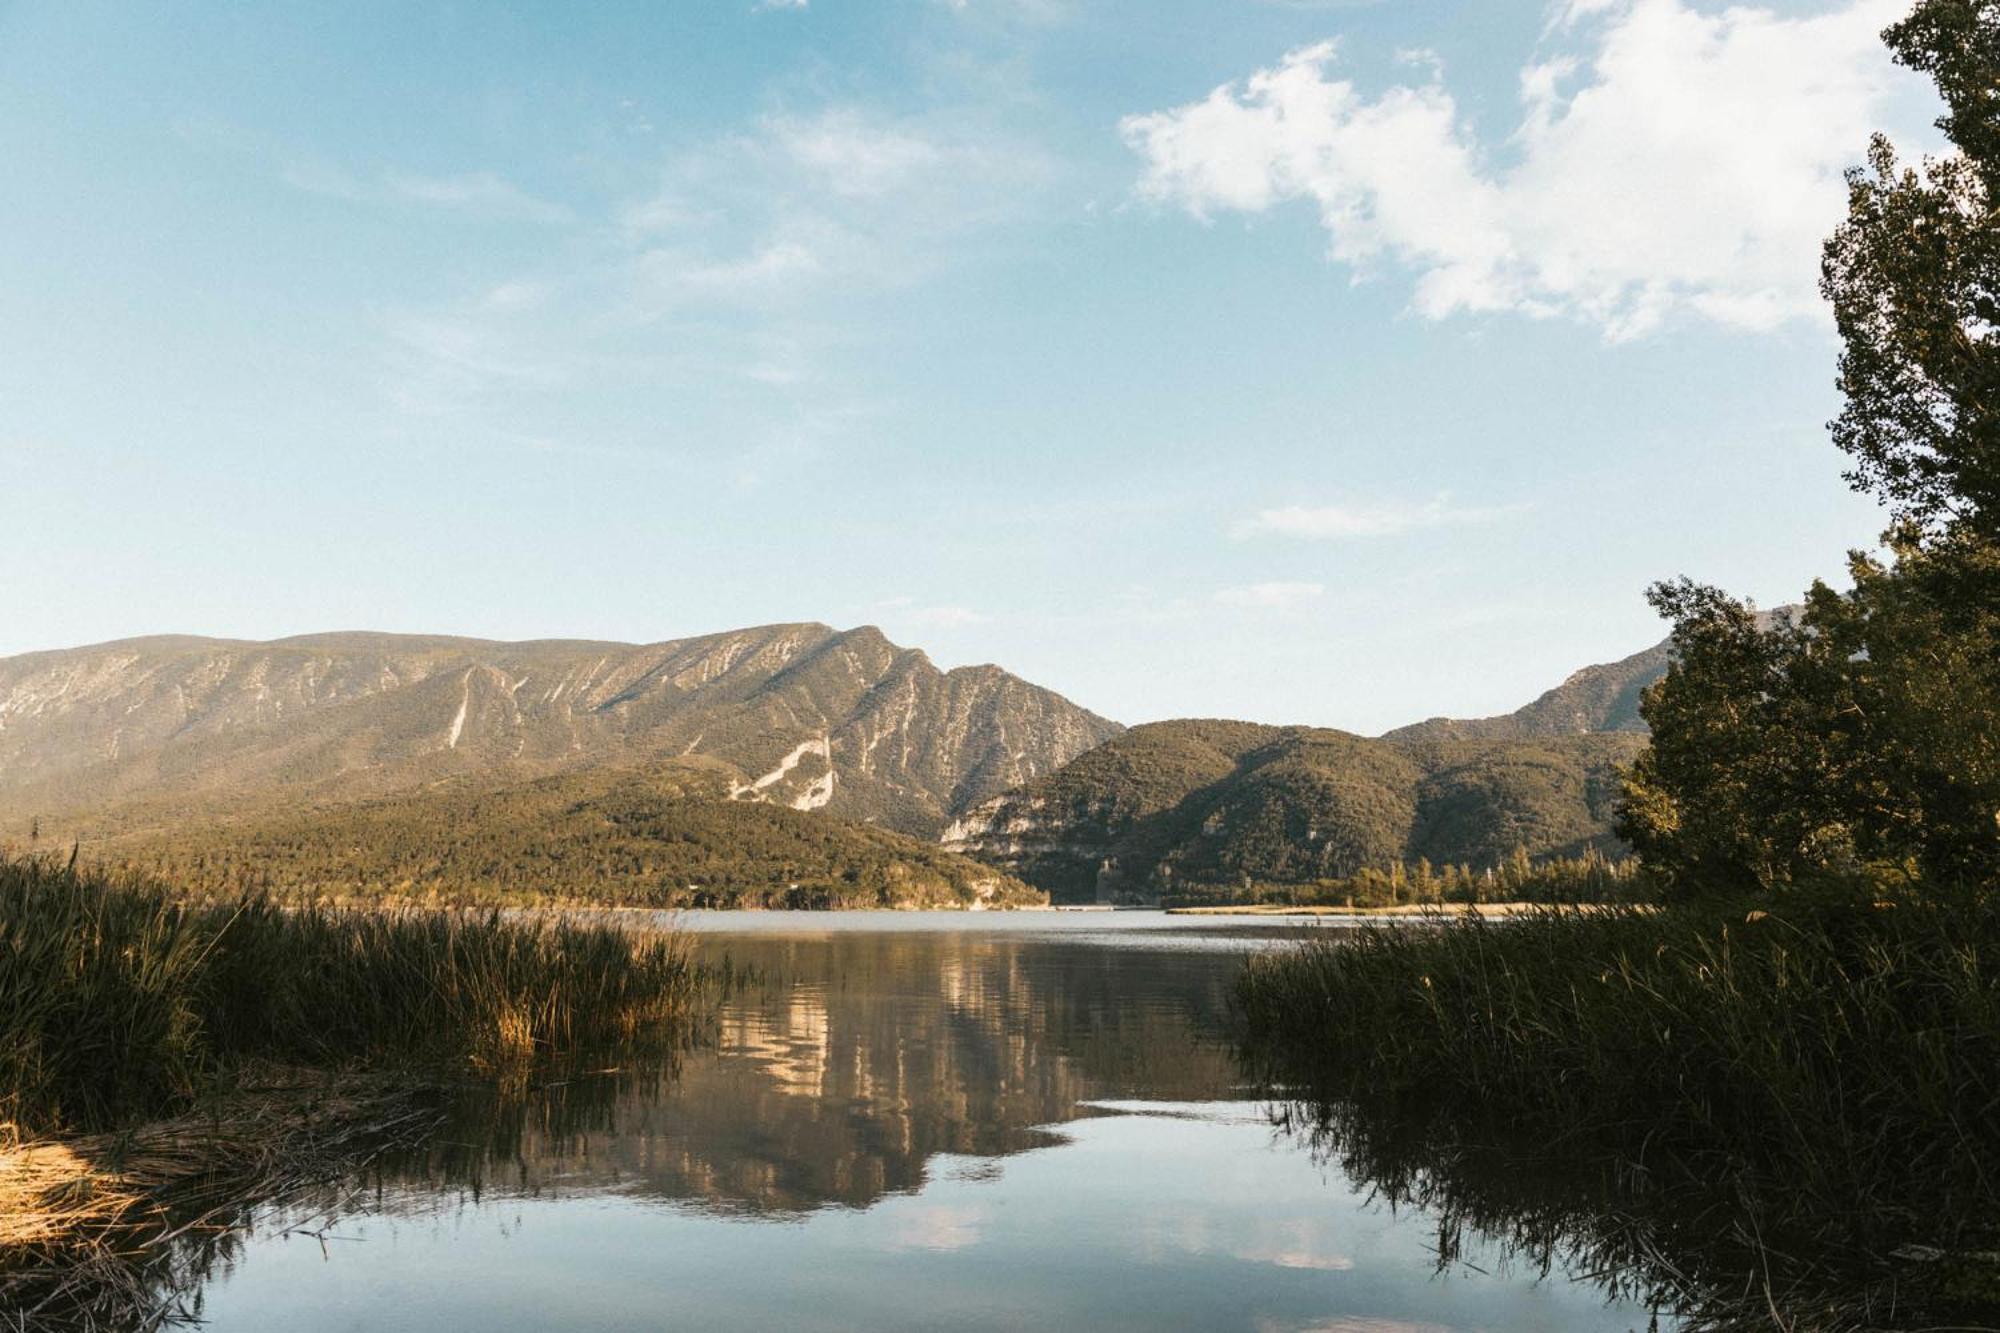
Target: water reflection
{"type": "Point", "coordinates": [853, 1063]}
{"type": "Point", "coordinates": [1702, 1239]}
{"type": "Point", "coordinates": [902, 1129]}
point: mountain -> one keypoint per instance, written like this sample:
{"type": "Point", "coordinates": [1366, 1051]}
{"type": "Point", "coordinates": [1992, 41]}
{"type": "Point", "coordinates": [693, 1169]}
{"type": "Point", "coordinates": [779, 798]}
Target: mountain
{"type": "Point", "coordinates": [1597, 698]}
{"type": "Point", "coordinates": [147, 732]}
{"type": "Point", "coordinates": [1215, 802]}
{"type": "Point", "coordinates": [1604, 697]}
{"type": "Point", "coordinates": [1210, 802]}
{"type": "Point", "coordinates": [667, 835]}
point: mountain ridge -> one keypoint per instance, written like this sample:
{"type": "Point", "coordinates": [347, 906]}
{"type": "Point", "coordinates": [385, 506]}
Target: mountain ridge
{"type": "Point", "coordinates": [163, 726]}
{"type": "Point", "coordinates": [1217, 802]}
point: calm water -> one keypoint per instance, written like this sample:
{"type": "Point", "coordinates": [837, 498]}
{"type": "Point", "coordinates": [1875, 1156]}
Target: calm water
{"type": "Point", "coordinates": [950, 1121]}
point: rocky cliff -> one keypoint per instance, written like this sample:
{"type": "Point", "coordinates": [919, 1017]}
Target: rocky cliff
{"type": "Point", "coordinates": [154, 730]}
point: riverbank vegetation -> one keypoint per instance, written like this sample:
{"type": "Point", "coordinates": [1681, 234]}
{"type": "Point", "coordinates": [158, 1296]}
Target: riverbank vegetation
{"type": "Point", "coordinates": [1783, 1083]}
{"type": "Point", "coordinates": [121, 1000]}
{"type": "Point", "coordinates": [1817, 1079]}
{"type": "Point", "coordinates": [164, 1059]}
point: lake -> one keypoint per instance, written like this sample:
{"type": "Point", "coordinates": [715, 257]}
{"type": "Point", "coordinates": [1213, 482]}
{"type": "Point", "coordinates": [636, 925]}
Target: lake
{"type": "Point", "coordinates": [935, 1121]}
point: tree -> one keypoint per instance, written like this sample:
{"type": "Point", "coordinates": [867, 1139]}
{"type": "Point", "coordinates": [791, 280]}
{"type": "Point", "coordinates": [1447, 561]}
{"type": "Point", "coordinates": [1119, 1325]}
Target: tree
{"type": "Point", "coordinates": [1865, 730]}
{"type": "Point", "coordinates": [1914, 279]}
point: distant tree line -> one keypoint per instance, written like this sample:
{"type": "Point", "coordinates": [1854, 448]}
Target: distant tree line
{"type": "Point", "coordinates": [1590, 878]}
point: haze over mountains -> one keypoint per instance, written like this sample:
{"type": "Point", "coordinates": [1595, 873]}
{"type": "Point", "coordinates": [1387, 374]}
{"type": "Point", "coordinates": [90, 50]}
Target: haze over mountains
{"type": "Point", "coordinates": [146, 740]}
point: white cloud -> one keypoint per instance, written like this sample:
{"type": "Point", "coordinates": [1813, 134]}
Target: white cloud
{"type": "Point", "coordinates": [1674, 161]}
{"type": "Point", "coordinates": [658, 214]}
{"type": "Point", "coordinates": [1343, 522]}
{"type": "Point", "coordinates": [851, 155]}
{"type": "Point", "coordinates": [1271, 596]}
{"type": "Point", "coordinates": [733, 280]}
{"type": "Point", "coordinates": [481, 194]}
{"type": "Point", "coordinates": [516, 294]}
{"type": "Point", "coordinates": [841, 199]}
{"type": "Point", "coordinates": [768, 266]}
{"type": "Point", "coordinates": [906, 611]}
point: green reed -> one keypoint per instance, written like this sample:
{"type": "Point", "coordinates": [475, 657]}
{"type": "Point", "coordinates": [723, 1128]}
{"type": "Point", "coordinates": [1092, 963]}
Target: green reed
{"type": "Point", "coordinates": [1820, 1080]}
{"type": "Point", "coordinates": [120, 999]}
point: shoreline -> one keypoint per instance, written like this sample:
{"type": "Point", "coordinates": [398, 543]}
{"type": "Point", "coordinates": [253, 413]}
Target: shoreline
{"type": "Point", "coordinates": [1392, 910]}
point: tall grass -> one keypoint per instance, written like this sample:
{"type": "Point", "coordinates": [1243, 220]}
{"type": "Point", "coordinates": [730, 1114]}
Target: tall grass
{"type": "Point", "coordinates": [1823, 1077]}
{"type": "Point", "coordinates": [120, 1000]}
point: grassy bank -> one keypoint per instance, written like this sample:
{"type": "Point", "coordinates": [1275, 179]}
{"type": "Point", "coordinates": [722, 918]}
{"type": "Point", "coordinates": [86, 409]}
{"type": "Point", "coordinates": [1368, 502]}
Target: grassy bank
{"type": "Point", "coordinates": [1819, 1084]}
{"type": "Point", "coordinates": [119, 1000]}
{"type": "Point", "coordinates": [166, 1062]}
{"type": "Point", "coordinates": [115, 1230]}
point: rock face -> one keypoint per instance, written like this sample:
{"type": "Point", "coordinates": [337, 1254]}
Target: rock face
{"type": "Point", "coordinates": [798, 715]}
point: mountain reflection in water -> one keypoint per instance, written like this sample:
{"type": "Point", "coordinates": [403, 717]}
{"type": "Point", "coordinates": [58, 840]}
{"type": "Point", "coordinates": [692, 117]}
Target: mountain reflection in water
{"type": "Point", "coordinates": [1001, 1126]}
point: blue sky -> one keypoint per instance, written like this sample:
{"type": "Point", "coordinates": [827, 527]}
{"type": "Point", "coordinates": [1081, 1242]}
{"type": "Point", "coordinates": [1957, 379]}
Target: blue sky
{"type": "Point", "coordinates": [1338, 363]}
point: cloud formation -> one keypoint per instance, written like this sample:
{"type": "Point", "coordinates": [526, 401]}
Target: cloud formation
{"type": "Point", "coordinates": [480, 195]}
{"type": "Point", "coordinates": [1347, 522]}
{"type": "Point", "coordinates": [737, 277]}
{"type": "Point", "coordinates": [1667, 161]}
{"type": "Point", "coordinates": [1278, 596]}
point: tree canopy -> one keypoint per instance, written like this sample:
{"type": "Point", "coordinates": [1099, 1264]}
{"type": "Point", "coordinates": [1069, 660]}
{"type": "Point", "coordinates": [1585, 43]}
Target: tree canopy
{"type": "Point", "coordinates": [1862, 733]}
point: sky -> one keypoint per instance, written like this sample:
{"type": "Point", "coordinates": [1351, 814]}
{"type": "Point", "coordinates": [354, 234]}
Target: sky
{"type": "Point", "coordinates": [1334, 363]}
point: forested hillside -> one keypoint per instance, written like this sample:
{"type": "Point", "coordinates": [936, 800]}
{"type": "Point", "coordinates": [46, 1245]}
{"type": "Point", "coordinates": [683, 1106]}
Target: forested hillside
{"type": "Point", "coordinates": [665, 836]}
{"type": "Point", "coordinates": [1173, 805]}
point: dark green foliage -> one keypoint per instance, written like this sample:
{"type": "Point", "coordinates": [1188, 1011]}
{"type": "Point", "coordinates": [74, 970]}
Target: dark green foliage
{"type": "Point", "coordinates": [662, 837]}
{"type": "Point", "coordinates": [1479, 801]}
{"type": "Point", "coordinates": [1799, 1092]}
{"type": "Point", "coordinates": [1590, 878]}
{"type": "Point", "coordinates": [1865, 732]}
{"type": "Point", "coordinates": [1152, 768]}
{"type": "Point", "coordinates": [120, 999]}
{"type": "Point", "coordinates": [1310, 805]}
{"type": "Point", "coordinates": [1914, 278]}
{"type": "Point", "coordinates": [1202, 810]}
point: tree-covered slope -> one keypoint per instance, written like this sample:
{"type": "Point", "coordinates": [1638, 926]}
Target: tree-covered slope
{"type": "Point", "coordinates": [1174, 804]}
{"type": "Point", "coordinates": [664, 836]}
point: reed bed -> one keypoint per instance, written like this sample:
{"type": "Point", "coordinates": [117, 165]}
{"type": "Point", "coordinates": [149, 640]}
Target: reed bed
{"type": "Point", "coordinates": [167, 1063]}
{"type": "Point", "coordinates": [120, 1000]}
{"type": "Point", "coordinates": [1821, 1079]}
